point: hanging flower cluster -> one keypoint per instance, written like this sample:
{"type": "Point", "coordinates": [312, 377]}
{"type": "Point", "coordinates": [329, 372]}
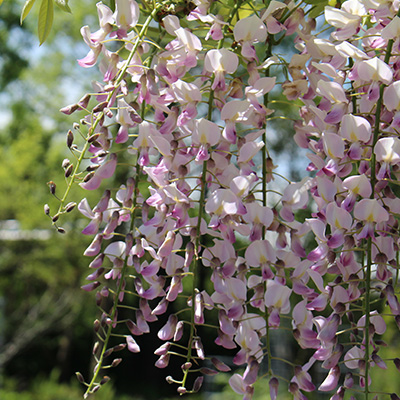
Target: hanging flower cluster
{"type": "Point", "coordinates": [184, 108]}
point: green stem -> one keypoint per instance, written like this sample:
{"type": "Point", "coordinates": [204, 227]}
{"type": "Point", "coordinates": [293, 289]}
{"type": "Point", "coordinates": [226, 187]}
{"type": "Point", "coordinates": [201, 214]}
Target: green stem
{"type": "Point", "coordinates": [118, 80]}
{"type": "Point", "coordinates": [197, 264]}
{"type": "Point", "coordinates": [264, 202]}
{"type": "Point", "coordinates": [369, 242]}
{"type": "Point", "coordinates": [93, 383]}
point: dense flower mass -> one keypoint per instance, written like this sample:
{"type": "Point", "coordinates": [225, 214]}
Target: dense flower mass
{"type": "Point", "coordinates": [183, 113]}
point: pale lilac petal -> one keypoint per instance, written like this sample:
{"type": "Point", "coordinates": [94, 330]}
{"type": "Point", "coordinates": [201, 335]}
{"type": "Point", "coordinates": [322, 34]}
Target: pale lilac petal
{"type": "Point", "coordinates": [370, 210]}
{"type": "Point", "coordinates": [387, 150]}
{"type": "Point", "coordinates": [221, 60]}
{"type": "Point", "coordinates": [374, 69]}
{"type": "Point", "coordinates": [250, 29]}
{"type": "Point", "coordinates": [353, 356]}
{"type": "Point", "coordinates": [237, 384]}
{"type": "Point", "coordinates": [90, 59]}
{"type": "Point", "coordinates": [355, 128]}
{"type": "Point", "coordinates": [331, 380]}
{"type": "Point", "coordinates": [132, 345]}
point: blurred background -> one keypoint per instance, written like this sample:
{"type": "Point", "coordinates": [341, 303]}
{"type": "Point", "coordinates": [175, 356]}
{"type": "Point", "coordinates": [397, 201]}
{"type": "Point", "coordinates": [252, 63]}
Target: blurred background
{"type": "Point", "coordinates": [46, 320]}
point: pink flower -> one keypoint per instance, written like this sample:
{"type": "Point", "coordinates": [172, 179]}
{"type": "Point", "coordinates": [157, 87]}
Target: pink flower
{"type": "Point", "coordinates": [248, 31]}
{"type": "Point", "coordinates": [126, 14]}
{"type": "Point", "coordinates": [375, 70]}
{"type": "Point", "coordinates": [356, 185]}
{"type": "Point", "coordinates": [352, 357]}
{"type": "Point", "coordinates": [273, 25]}
{"type": "Point", "coordinates": [347, 23]}
{"type": "Point", "coordinates": [260, 253]}
{"type": "Point", "coordinates": [205, 135]}
{"type": "Point", "coordinates": [387, 152]}
{"type": "Point", "coordinates": [237, 383]}
{"type": "Point", "coordinates": [371, 212]}
{"type": "Point", "coordinates": [277, 296]}
{"type": "Point", "coordinates": [355, 128]}
{"type": "Point", "coordinates": [220, 62]}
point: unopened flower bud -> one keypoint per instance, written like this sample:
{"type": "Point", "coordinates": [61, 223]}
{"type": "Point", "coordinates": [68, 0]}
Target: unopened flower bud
{"type": "Point", "coordinates": [119, 347]}
{"type": "Point", "coordinates": [105, 380]}
{"type": "Point", "coordinates": [163, 349]}
{"type": "Point", "coordinates": [181, 390]}
{"type": "Point", "coordinates": [55, 218]}
{"type": "Point", "coordinates": [96, 347]}
{"type": "Point", "coordinates": [273, 388]}
{"type": "Point", "coordinates": [66, 163]}
{"type": "Point", "coordinates": [70, 138]}
{"type": "Point", "coordinates": [70, 206]}
{"type": "Point", "coordinates": [208, 371]}
{"type": "Point", "coordinates": [68, 110]}
{"type": "Point", "coordinates": [220, 365]}
{"type": "Point", "coordinates": [75, 125]}
{"type": "Point", "coordinates": [116, 362]}
{"type": "Point", "coordinates": [108, 352]}
{"type": "Point", "coordinates": [84, 101]}
{"type": "Point", "coordinates": [93, 137]}
{"type": "Point", "coordinates": [96, 325]}
{"type": "Point", "coordinates": [169, 379]}
{"type": "Point", "coordinates": [69, 170]}
{"type": "Point", "coordinates": [186, 366]}
{"type": "Point", "coordinates": [46, 209]}
{"type": "Point", "coordinates": [100, 107]}
{"type": "Point", "coordinates": [80, 377]}
{"type": "Point", "coordinates": [92, 167]}
{"type": "Point", "coordinates": [88, 177]}
{"type": "Point", "coordinates": [52, 187]}
{"type": "Point", "coordinates": [95, 389]}
{"type": "Point", "coordinates": [60, 230]}
{"type": "Point", "coordinates": [90, 286]}
{"type": "Point", "coordinates": [198, 383]}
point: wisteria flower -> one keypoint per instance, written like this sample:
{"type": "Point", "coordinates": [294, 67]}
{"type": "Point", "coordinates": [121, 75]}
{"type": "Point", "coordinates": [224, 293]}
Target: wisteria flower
{"type": "Point", "coordinates": [220, 62]}
{"type": "Point", "coordinates": [248, 31]}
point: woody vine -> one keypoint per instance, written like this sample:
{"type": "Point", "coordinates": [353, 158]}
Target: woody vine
{"type": "Point", "coordinates": [184, 105]}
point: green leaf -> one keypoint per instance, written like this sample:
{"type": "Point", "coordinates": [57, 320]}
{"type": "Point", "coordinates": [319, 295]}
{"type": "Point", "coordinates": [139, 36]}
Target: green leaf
{"type": "Point", "coordinates": [316, 11]}
{"type": "Point", "coordinates": [46, 14]}
{"type": "Point", "coordinates": [26, 9]}
{"type": "Point", "coordinates": [63, 4]}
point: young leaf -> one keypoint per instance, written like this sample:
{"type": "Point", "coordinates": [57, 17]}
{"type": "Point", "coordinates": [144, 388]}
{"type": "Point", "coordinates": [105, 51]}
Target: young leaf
{"type": "Point", "coordinates": [63, 4]}
{"type": "Point", "coordinates": [46, 14]}
{"type": "Point", "coordinates": [26, 9]}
